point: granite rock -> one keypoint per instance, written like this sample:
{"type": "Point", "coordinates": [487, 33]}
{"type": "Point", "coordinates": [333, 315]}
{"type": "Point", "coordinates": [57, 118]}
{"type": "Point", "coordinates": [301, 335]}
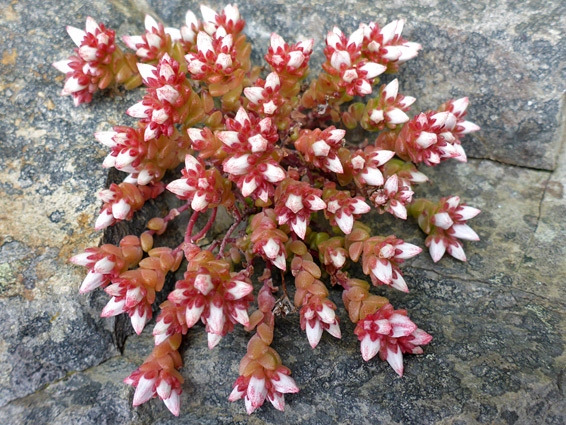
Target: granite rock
{"type": "Point", "coordinates": [498, 321]}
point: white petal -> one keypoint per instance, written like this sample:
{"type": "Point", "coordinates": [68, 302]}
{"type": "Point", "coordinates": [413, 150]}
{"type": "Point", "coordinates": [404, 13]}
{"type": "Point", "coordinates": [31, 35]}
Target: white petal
{"type": "Point", "coordinates": [327, 315]}
{"type": "Point", "coordinates": [237, 165]}
{"type": "Point", "coordinates": [463, 231]}
{"type": "Point", "coordinates": [457, 251]}
{"type": "Point", "coordinates": [306, 46]}
{"type": "Point", "coordinates": [213, 340]}
{"type": "Point", "coordinates": [173, 403]}
{"type": "Point", "coordinates": [208, 14]}
{"type": "Point", "coordinates": [199, 202]}
{"type": "Point", "coordinates": [274, 173]}
{"type": "Point", "coordinates": [364, 88]}
{"type": "Point", "coordinates": [204, 43]}
{"type": "Point", "coordinates": [121, 209]}
{"type": "Point", "coordinates": [391, 186]}
{"type": "Point", "coordinates": [334, 165]}
{"type": "Point", "coordinates": [258, 143]}
{"type": "Point", "coordinates": [465, 127]}
{"type": "Point", "coordinates": [443, 220]}
{"type": "Point", "coordinates": [139, 321]}
{"type": "Point", "coordinates": [174, 33]}
{"type": "Point", "coordinates": [295, 59]}
{"type": "Point", "coordinates": [240, 315]}
{"type": "Point", "coordinates": [369, 348]}
{"type": "Point", "coordinates": [340, 58]}
{"type": "Point", "coordinates": [133, 40]}
{"type": "Point", "coordinates": [373, 69]}
{"type": "Point", "coordinates": [334, 330]}
{"type": "Point", "coordinates": [63, 66]}
{"type": "Point", "coordinates": [82, 259]}
{"type": "Point", "coordinates": [192, 314]}
{"type": "Point", "coordinates": [388, 31]}
{"type": "Point", "coordinates": [106, 138]}
{"type": "Point", "coordinates": [345, 222]}
{"type": "Point", "coordinates": [254, 94]}
{"type": "Point", "coordinates": [92, 281]}
{"type": "Point", "coordinates": [299, 226]}
{"type": "Point", "coordinates": [236, 394]}
{"type": "Point", "coordinates": [402, 325]}
{"type": "Point", "coordinates": [337, 135]}
{"type": "Point", "coordinates": [249, 186]}
{"type": "Point", "coordinates": [256, 391]}
{"type": "Point", "coordinates": [395, 360]}
{"type": "Point", "coordinates": [277, 400]}
{"type": "Point", "coordinates": [315, 203]}
{"type": "Point", "coordinates": [294, 203]}
{"type": "Point", "coordinates": [216, 319]}
{"type": "Point", "coordinates": [408, 250]}
{"type": "Point", "coordinates": [113, 308]}
{"type": "Point", "coordinates": [320, 148]}
{"type": "Point", "coordinates": [104, 220]}
{"type": "Point", "coordinates": [240, 289]}
{"type": "Point", "coordinates": [360, 207]}
{"type": "Point", "coordinates": [179, 187]}
{"type": "Point", "coordinates": [147, 71]}
{"type": "Point", "coordinates": [77, 35]}
{"type": "Point", "coordinates": [314, 333]}
{"type": "Point", "coordinates": [272, 81]}
{"type": "Point", "coordinates": [280, 262]}
{"type": "Point", "coordinates": [242, 116]}
{"type": "Point", "coordinates": [399, 283]}
{"type": "Point", "coordinates": [144, 391]}
{"type": "Point", "coordinates": [277, 42]}
{"type": "Point", "coordinates": [224, 60]}
{"type": "Point", "coordinates": [104, 265]}
{"type": "Point", "coordinates": [269, 108]}
{"type": "Point", "coordinates": [150, 23]}
{"type": "Point", "coordinates": [372, 176]}
{"type": "Point", "coordinates": [426, 139]}
{"type": "Point", "coordinates": [229, 138]}
{"type": "Point", "coordinates": [271, 248]}
{"type": "Point", "coordinates": [383, 271]}
{"type": "Point", "coordinates": [391, 90]}
{"type": "Point", "coordinates": [437, 250]}
{"type": "Point", "coordinates": [407, 101]}
{"type": "Point", "coordinates": [168, 94]}
{"type": "Point", "coordinates": [467, 212]}
{"type": "Point", "coordinates": [396, 116]}
{"type": "Point", "coordinates": [285, 384]}
{"type": "Point", "coordinates": [138, 110]}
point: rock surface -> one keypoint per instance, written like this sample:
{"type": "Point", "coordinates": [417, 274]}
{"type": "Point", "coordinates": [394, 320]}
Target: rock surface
{"type": "Point", "coordinates": [498, 321]}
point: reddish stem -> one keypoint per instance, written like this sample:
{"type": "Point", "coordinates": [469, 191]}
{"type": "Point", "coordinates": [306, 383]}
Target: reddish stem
{"type": "Point", "coordinates": [206, 228]}
{"type": "Point", "coordinates": [190, 226]}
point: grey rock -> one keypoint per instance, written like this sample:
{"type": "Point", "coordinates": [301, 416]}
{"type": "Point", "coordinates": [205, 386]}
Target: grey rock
{"type": "Point", "coordinates": [498, 320]}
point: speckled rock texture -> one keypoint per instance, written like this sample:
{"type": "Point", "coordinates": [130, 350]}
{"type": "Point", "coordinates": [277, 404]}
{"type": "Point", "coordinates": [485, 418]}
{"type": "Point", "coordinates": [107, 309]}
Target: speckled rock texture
{"type": "Point", "coordinates": [498, 321]}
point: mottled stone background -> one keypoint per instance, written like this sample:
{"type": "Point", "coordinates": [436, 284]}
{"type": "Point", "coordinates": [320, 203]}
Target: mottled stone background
{"type": "Point", "coordinates": [498, 320]}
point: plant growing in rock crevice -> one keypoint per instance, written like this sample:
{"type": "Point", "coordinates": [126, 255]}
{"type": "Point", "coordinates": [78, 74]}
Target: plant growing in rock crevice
{"type": "Point", "coordinates": [270, 151]}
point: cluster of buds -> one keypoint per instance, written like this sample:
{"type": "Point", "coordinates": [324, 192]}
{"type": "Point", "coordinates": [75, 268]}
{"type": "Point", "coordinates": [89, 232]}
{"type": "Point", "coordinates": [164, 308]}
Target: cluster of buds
{"type": "Point", "coordinates": [269, 241]}
{"type": "Point", "coordinates": [265, 98]}
{"type": "Point", "coordinates": [108, 262]}
{"type": "Point", "coordinates": [356, 74]}
{"type": "Point", "coordinates": [381, 256]}
{"type": "Point", "coordinates": [385, 46]}
{"type": "Point", "coordinates": [342, 209]}
{"type": "Point", "coordinates": [133, 291]}
{"type": "Point", "coordinates": [155, 42]}
{"type": "Point", "coordinates": [169, 99]}
{"type": "Point", "coordinates": [391, 333]}
{"type": "Point", "coordinates": [295, 201]}
{"type": "Point", "coordinates": [321, 148]}
{"type": "Point", "coordinates": [388, 110]}
{"type": "Point", "coordinates": [331, 251]}
{"type": "Point", "coordinates": [205, 188]}
{"type": "Point", "coordinates": [254, 161]}
{"type": "Point", "coordinates": [212, 294]}
{"type": "Point", "coordinates": [290, 62]}
{"type": "Point", "coordinates": [97, 64]}
{"type": "Point", "coordinates": [393, 197]}
{"type": "Point", "coordinates": [262, 374]}
{"type": "Point", "coordinates": [122, 200]}
{"type": "Point", "coordinates": [445, 223]}
{"type": "Point", "coordinates": [317, 311]}
{"type": "Point", "coordinates": [264, 150]}
{"type": "Point", "coordinates": [432, 137]}
{"type": "Point", "coordinates": [158, 375]}
{"type": "Point", "coordinates": [147, 161]}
